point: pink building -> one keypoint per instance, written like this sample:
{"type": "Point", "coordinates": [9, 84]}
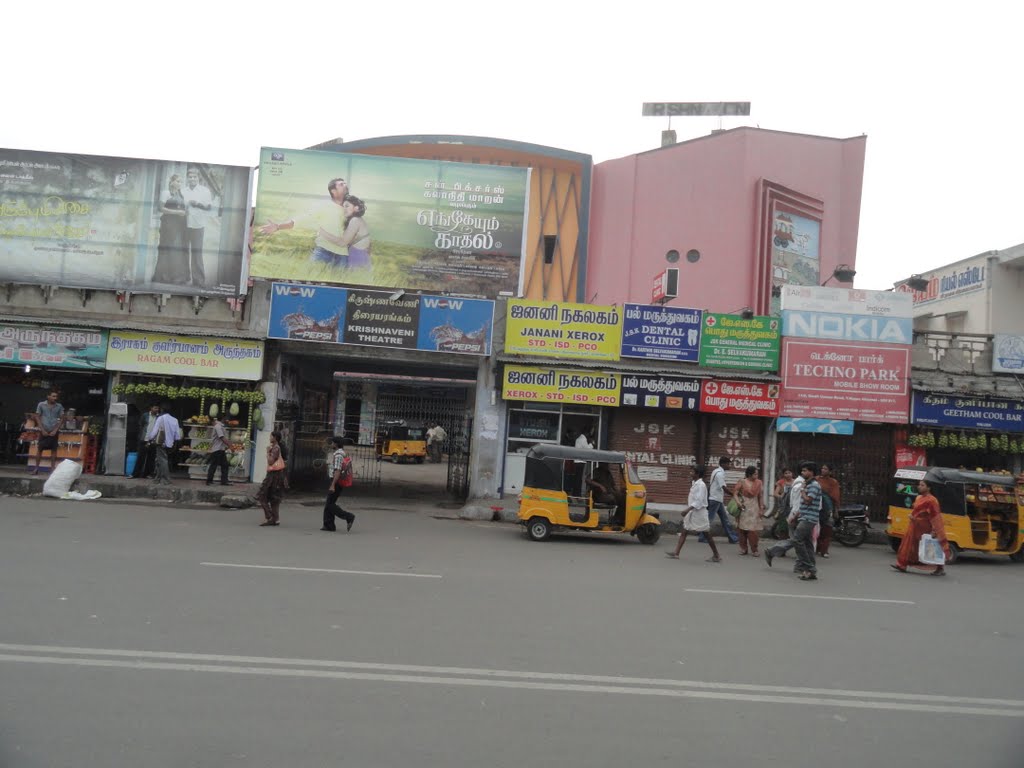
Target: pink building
{"type": "Point", "coordinates": [736, 212]}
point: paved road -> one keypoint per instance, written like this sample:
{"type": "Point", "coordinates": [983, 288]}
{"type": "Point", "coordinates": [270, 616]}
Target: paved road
{"type": "Point", "coordinates": [165, 636]}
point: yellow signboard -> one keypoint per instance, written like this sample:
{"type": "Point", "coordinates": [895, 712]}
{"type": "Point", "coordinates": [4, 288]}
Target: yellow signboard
{"type": "Point", "coordinates": [160, 353]}
{"type": "Point", "coordinates": [553, 385]}
{"type": "Point", "coordinates": [556, 329]}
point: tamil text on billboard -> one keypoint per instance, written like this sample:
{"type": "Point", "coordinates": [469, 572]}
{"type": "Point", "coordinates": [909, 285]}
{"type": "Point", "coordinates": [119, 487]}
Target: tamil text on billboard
{"type": "Point", "coordinates": [149, 226]}
{"type": "Point", "coordinates": [380, 319]}
{"type": "Point", "coordinates": [966, 412]}
{"type": "Point", "coordinates": [552, 385]}
{"type": "Point", "coordinates": [160, 353]}
{"type": "Point", "coordinates": [731, 341]}
{"type": "Point", "coordinates": [52, 346]}
{"type": "Point", "coordinates": [661, 333]}
{"type": "Point", "coordinates": [742, 398]}
{"type": "Point", "coordinates": [966, 277]}
{"type": "Point", "coordinates": [558, 329]}
{"type": "Point", "coordinates": [664, 392]}
{"type": "Point", "coordinates": [390, 222]}
{"type": "Point", "coordinates": [846, 380]}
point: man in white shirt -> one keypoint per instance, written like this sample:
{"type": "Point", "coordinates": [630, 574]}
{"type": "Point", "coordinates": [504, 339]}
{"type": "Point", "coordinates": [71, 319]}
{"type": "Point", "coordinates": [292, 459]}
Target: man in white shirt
{"type": "Point", "coordinates": [165, 432]}
{"type": "Point", "coordinates": [695, 517]}
{"type": "Point", "coordinates": [198, 204]}
{"type": "Point", "coordinates": [716, 501]}
{"type": "Point", "coordinates": [326, 219]}
{"type": "Point", "coordinates": [435, 442]}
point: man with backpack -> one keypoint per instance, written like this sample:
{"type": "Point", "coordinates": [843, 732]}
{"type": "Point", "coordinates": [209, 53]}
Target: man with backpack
{"type": "Point", "coordinates": [340, 471]}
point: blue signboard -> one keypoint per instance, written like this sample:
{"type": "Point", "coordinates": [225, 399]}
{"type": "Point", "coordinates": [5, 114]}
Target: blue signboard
{"type": "Point", "coordinates": [820, 426]}
{"type": "Point", "coordinates": [661, 333]}
{"type": "Point", "coordinates": [380, 319]}
{"type": "Point", "coordinates": [843, 327]}
{"type": "Point", "coordinates": [655, 391]}
{"type": "Point", "coordinates": [967, 412]}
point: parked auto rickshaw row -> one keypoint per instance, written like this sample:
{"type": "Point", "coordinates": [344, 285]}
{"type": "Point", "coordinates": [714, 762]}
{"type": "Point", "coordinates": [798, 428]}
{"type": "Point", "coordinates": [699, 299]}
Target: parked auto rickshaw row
{"type": "Point", "coordinates": [981, 511]}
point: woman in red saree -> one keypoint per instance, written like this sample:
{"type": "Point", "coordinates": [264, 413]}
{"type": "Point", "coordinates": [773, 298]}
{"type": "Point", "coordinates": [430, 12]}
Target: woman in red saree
{"type": "Point", "coordinates": [925, 517]}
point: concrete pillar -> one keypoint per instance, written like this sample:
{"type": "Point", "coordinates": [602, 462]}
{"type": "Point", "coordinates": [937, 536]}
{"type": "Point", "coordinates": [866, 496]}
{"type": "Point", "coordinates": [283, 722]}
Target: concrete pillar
{"type": "Point", "coordinates": [485, 460]}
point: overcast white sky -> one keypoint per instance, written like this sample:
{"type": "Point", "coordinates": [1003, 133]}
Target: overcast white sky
{"type": "Point", "coordinates": [938, 94]}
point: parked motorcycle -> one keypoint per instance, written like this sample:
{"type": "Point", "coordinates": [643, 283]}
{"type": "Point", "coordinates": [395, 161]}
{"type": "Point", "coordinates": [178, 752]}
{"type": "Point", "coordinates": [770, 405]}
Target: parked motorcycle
{"type": "Point", "coordinates": [851, 527]}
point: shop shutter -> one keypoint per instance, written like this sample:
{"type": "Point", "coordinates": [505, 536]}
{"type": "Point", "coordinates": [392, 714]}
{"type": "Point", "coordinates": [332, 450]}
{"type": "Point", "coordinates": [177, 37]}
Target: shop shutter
{"type": "Point", "coordinates": [862, 462]}
{"type": "Point", "coordinates": [661, 444]}
{"type": "Point", "coordinates": [738, 438]}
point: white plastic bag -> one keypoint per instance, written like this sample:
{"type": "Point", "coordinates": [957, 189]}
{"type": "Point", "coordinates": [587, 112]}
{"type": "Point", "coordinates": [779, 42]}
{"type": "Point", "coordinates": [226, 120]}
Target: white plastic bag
{"type": "Point", "coordinates": [62, 478]}
{"type": "Point", "coordinates": [929, 551]}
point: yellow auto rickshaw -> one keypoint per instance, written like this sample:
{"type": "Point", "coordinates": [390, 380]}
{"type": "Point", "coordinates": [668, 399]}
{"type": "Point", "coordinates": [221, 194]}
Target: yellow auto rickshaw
{"type": "Point", "coordinates": [982, 511]}
{"type": "Point", "coordinates": [400, 442]}
{"type": "Point", "coordinates": [581, 489]}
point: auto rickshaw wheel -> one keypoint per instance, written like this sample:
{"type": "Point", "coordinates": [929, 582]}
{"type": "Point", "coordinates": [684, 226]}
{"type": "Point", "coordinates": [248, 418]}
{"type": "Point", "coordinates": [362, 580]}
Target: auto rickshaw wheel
{"type": "Point", "coordinates": [394, 458]}
{"type": "Point", "coordinates": [538, 528]}
{"type": "Point", "coordinates": [894, 543]}
{"type": "Point", "coordinates": [648, 534]}
{"type": "Point", "coordinates": [954, 553]}
{"type": "Point", "coordinates": [1018, 556]}
{"type": "Point", "coordinates": [419, 459]}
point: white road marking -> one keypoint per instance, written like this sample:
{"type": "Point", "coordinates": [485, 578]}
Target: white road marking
{"type": "Point", "coordinates": [460, 676]}
{"type": "Point", "coordinates": [325, 570]}
{"type": "Point", "coordinates": [809, 597]}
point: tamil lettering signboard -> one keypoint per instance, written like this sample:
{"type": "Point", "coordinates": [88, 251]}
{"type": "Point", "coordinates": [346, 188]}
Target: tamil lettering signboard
{"type": "Point", "coordinates": [558, 329]}
{"type": "Point", "coordinates": [51, 346]}
{"type": "Point", "coordinates": [664, 392]}
{"type": "Point", "coordinates": [161, 353]}
{"type": "Point", "coordinates": [816, 426]}
{"type": "Point", "coordinates": [392, 222]}
{"type": "Point", "coordinates": [966, 277]}
{"type": "Point", "coordinates": [845, 380]}
{"type": "Point", "coordinates": [379, 319]}
{"type": "Point", "coordinates": [965, 412]}
{"type": "Point", "coordinates": [661, 333]}
{"type": "Point", "coordinates": [117, 223]}
{"type": "Point", "coordinates": [730, 341]}
{"type": "Point", "coordinates": [1008, 353]}
{"type": "Point", "coordinates": [743, 398]}
{"type": "Point", "coordinates": [552, 385]}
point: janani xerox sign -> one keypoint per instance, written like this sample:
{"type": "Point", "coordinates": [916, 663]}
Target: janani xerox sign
{"type": "Point", "coordinates": [558, 329]}
{"type": "Point", "coordinates": [551, 385]}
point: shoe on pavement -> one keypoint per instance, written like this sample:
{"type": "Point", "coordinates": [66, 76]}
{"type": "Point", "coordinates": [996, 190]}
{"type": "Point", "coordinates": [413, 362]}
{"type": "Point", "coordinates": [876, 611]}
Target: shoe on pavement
{"type": "Point", "coordinates": [768, 557]}
{"type": "Point", "coordinates": [348, 527]}
{"type": "Point", "coordinates": [329, 530]}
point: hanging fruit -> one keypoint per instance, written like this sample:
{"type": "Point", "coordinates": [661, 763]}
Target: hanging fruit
{"type": "Point", "coordinates": [943, 440]}
{"type": "Point", "coordinates": [214, 410]}
{"type": "Point", "coordinates": [233, 410]}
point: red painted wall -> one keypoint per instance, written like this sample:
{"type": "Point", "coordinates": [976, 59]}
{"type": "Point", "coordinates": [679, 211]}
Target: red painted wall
{"type": "Point", "coordinates": [704, 194]}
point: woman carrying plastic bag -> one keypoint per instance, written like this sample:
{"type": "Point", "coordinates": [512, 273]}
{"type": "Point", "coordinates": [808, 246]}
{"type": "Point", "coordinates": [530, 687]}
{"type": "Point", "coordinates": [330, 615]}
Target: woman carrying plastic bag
{"type": "Point", "coordinates": [925, 520]}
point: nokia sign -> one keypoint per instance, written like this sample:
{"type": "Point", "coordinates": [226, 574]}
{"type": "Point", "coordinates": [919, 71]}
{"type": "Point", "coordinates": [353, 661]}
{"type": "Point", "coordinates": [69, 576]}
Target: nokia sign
{"type": "Point", "coordinates": [840, 327]}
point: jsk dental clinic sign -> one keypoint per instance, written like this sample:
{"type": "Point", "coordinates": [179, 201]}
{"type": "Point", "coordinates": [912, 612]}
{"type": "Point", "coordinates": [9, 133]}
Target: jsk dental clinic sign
{"type": "Point", "coordinates": [158, 353]}
{"type": "Point", "coordinates": [661, 333]}
{"type": "Point", "coordinates": [556, 329]}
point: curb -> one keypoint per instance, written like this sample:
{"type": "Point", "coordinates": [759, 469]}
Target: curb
{"type": "Point", "coordinates": [139, 489]}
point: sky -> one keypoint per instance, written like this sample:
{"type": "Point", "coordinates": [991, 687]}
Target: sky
{"type": "Point", "coordinates": [938, 94]}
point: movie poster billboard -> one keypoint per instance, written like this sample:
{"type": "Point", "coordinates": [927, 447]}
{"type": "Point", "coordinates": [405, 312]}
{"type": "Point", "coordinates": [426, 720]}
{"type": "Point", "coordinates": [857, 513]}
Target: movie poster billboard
{"type": "Point", "coordinates": [51, 346]}
{"type": "Point", "coordinates": [390, 222]}
{"type": "Point", "coordinates": [379, 319]}
{"type": "Point", "coordinates": [563, 330]}
{"type": "Point", "coordinates": [115, 223]}
{"type": "Point", "coordinates": [796, 251]}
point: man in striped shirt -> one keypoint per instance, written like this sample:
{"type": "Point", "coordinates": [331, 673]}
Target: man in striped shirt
{"type": "Point", "coordinates": [807, 519]}
{"type": "Point", "coordinates": [337, 469]}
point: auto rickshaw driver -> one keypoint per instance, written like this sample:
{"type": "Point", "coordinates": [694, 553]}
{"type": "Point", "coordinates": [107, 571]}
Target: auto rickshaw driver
{"type": "Point", "coordinates": [605, 492]}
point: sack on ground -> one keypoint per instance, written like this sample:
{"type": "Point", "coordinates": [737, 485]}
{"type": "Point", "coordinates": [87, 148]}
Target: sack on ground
{"type": "Point", "coordinates": [929, 551]}
{"type": "Point", "coordinates": [734, 508]}
{"type": "Point", "coordinates": [62, 478]}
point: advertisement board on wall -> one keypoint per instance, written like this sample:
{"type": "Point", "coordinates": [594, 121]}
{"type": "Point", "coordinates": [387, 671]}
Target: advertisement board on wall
{"type": "Point", "coordinates": [553, 385]}
{"type": "Point", "coordinates": [796, 250]}
{"type": "Point", "coordinates": [1008, 353]}
{"type": "Point", "coordinates": [161, 353]}
{"type": "Point", "coordinates": [661, 333]}
{"type": "Point", "coordinates": [730, 341]}
{"type": "Point", "coordinates": [117, 223]}
{"type": "Point", "coordinates": [376, 319]}
{"type": "Point", "coordinates": [390, 222]}
{"type": "Point", "coordinates": [743, 398]}
{"type": "Point", "coordinates": [846, 301]}
{"type": "Point", "coordinates": [817, 426]}
{"type": "Point", "coordinates": [968, 412]}
{"type": "Point", "coordinates": [845, 380]}
{"type": "Point", "coordinates": [969, 276]}
{"type": "Point", "coordinates": [665, 392]}
{"type": "Point", "coordinates": [846, 314]}
{"type": "Point", "coordinates": [52, 346]}
{"type": "Point", "coordinates": [559, 329]}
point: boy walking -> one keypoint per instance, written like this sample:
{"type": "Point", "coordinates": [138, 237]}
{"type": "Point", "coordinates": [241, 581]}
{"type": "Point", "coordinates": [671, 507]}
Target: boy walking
{"type": "Point", "coordinates": [340, 470]}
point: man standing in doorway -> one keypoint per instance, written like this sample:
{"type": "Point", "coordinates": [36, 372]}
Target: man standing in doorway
{"type": "Point", "coordinates": [340, 471]}
{"type": "Point", "coordinates": [218, 453]}
{"type": "Point", "coordinates": [144, 457]}
{"type": "Point", "coordinates": [716, 501]}
{"type": "Point", "coordinates": [164, 432]}
{"type": "Point", "coordinates": [198, 204]}
{"type": "Point", "coordinates": [435, 442]}
{"type": "Point", "coordinates": [50, 415]}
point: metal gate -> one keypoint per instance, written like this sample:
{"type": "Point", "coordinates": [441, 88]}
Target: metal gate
{"type": "Point", "coordinates": [862, 463]}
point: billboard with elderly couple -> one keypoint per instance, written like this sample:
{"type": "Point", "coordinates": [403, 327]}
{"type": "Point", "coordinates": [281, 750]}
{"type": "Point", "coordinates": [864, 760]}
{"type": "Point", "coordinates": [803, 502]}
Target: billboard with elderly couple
{"type": "Point", "coordinates": [116, 223]}
{"type": "Point", "coordinates": [388, 222]}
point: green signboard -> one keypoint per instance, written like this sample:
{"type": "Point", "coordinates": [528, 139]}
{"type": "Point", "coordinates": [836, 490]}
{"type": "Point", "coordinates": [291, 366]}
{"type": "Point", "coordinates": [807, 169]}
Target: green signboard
{"type": "Point", "coordinates": [730, 341]}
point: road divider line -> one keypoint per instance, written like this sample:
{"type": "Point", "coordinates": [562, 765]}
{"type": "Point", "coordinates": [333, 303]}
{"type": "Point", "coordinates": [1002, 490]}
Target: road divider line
{"type": "Point", "coordinates": [323, 674]}
{"type": "Point", "coordinates": [806, 597]}
{"type": "Point", "coordinates": [324, 570]}
{"type": "Point", "coordinates": [269, 661]}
